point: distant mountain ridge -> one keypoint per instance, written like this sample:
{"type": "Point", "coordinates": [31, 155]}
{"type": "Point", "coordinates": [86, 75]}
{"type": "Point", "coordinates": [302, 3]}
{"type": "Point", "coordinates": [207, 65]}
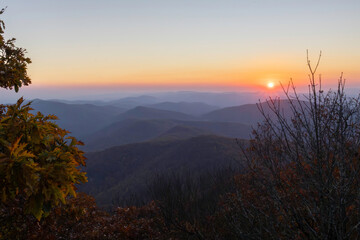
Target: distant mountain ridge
{"type": "Point", "coordinates": [101, 127]}
{"type": "Point", "coordinates": [191, 108]}
{"type": "Point", "coordinates": [131, 102]}
{"type": "Point", "coordinates": [141, 112]}
{"type": "Point", "coordinates": [79, 119]}
{"type": "Point", "coordinates": [139, 130]}
{"type": "Point", "coordinates": [249, 114]}
{"type": "Point", "coordinates": [125, 102]}
{"type": "Point", "coordinates": [125, 132]}
{"type": "Point", "coordinates": [220, 99]}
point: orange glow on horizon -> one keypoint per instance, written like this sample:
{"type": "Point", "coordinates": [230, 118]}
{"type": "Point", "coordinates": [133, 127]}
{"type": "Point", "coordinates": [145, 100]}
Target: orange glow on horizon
{"type": "Point", "coordinates": [254, 76]}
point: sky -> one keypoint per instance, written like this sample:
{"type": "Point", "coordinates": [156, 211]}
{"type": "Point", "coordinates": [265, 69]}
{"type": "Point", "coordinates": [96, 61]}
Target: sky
{"type": "Point", "coordinates": [87, 46]}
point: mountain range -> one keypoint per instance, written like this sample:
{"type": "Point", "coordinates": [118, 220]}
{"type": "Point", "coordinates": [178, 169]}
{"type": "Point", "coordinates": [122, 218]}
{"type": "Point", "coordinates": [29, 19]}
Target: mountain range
{"type": "Point", "coordinates": [130, 140]}
{"type": "Point", "coordinates": [191, 108]}
{"type": "Point", "coordinates": [79, 119]}
{"type": "Point", "coordinates": [137, 130]}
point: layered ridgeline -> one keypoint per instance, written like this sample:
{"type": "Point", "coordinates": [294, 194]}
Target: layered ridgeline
{"type": "Point", "coordinates": [220, 100]}
{"type": "Point", "coordinates": [79, 119]}
{"type": "Point", "coordinates": [141, 112]}
{"type": "Point", "coordinates": [250, 114]}
{"type": "Point", "coordinates": [106, 126]}
{"type": "Point", "coordinates": [125, 103]}
{"type": "Point", "coordinates": [139, 130]}
{"type": "Point", "coordinates": [127, 147]}
{"type": "Point", "coordinates": [191, 108]}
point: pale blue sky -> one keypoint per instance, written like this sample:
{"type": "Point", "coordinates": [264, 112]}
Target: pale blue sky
{"type": "Point", "coordinates": [167, 43]}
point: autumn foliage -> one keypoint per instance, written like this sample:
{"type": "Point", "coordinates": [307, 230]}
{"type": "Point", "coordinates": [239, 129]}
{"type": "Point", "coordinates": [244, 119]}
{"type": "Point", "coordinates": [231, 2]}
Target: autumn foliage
{"type": "Point", "coordinates": [299, 179]}
{"type": "Point", "coordinates": [13, 62]}
{"type": "Point", "coordinates": [39, 164]}
{"type": "Point", "coordinates": [303, 172]}
{"type": "Point", "coordinates": [80, 218]}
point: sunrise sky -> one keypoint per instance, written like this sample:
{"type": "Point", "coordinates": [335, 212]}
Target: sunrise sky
{"type": "Point", "coordinates": [236, 45]}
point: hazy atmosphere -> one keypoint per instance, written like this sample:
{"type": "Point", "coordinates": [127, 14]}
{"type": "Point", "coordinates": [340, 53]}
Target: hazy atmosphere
{"type": "Point", "coordinates": [87, 47]}
{"type": "Point", "coordinates": [169, 119]}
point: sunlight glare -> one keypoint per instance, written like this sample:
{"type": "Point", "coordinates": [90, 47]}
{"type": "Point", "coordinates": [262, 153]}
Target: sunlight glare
{"type": "Point", "coordinates": [270, 85]}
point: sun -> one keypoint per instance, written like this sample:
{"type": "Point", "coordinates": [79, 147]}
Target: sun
{"type": "Point", "coordinates": [270, 85]}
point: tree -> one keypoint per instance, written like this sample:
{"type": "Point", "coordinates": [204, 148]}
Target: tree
{"type": "Point", "coordinates": [13, 63]}
{"type": "Point", "coordinates": [188, 201]}
{"type": "Point", "coordinates": [39, 163]}
{"type": "Point", "coordinates": [303, 179]}
{"type": "Point", "coordinates": [81, 219]}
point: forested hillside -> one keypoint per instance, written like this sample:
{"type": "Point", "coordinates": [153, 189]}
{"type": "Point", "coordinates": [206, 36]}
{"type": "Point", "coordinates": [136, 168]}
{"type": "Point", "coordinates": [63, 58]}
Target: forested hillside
{"type": "Point", "coordinates": [118, 172]}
